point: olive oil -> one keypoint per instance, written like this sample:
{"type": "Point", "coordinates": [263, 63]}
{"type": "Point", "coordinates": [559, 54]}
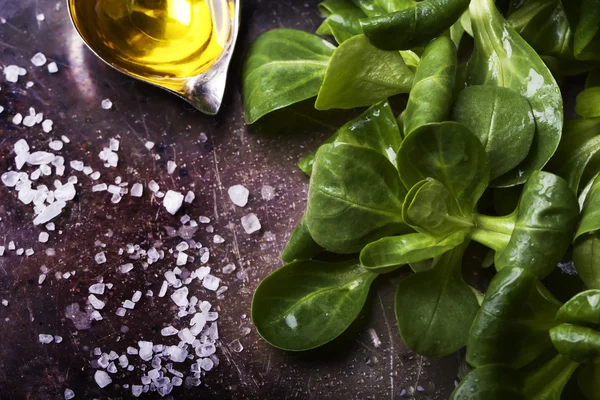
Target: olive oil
{"type": "Point", "coordinates": [161, 41]}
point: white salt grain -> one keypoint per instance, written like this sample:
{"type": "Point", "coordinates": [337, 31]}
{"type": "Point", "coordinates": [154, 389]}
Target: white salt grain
{"type": "Point", "coordinates": [171, 167]}
{"type": "Point", "coordinates": [38, 59]}
{"type": "Point", "coordinates": [100, 258]}
{"type": "Point", "coordinates": [181, 258]}
{"type": "Point", "coordinates": [95, 176]}
{"type": "Point", "coordinates": [49, 212]}
{"type": "Point", "coordinates": [229, 268]}
{"type": "Point", "coordinates": [52, 68]}
{"type": "Point", "coordinates": [145, 350]}
{"type": "Point", "coordinates": [43, 237]}
{"type": "Point", "coordinates": [45, 338]}
{"type": "Point", "coordinates": [41, 279]}
{"type": "Point", "coordinates": [47, 125]}
{"type": "Point", "coordinates": [125, 268]}
{"type": "Point", "coordinates": [121, 312]}
{"type": "Point", "coordinates": [102, 378]}
{"type": "Point", "coordinates": [65, 139]}
{"type": "Point", "coordinates": [1, 251]}
{"type": "Point", "coordinates": [218, 239]}
{"type": "Point", "coordinates": [211, 282]}
{"type": "Point", "coordinates": [236, 346]}
{"type": "Point", "coordinates": [153, 186]}
{"type": "Point", "coordinates": [128, 304]}
{"type": "Point", "coordinates": [40, 17]}
{"type": "Point", "coordinates": [97, 288]}
{"type": "Point", "coordinates": [17, 119]}
{"type": "Point", "coordinates": [76, 165]}
{"type": "Point", "coordinates": [179, 297]}
{"type": "Point", "coordinates": [203, 220]}
{"type": "Point", "coordinates": [189, 197]}
{"type": "Point", "coordinates": [173, 201]}
{"type": "Point", "coordinates": [163, 289]}
{"type": "Point", "coordinates": [65, 192]}
{"type": "Point", "coordinates": [100, 187]}
{"type": "Point", "coordinates": [11, 73]}
{"type": "Point", "coordinates": [149, 145]}
{"type": "Point", "coordinates": [114, 144]}
{"type": "Point", "coordinates": [96, 302]}
{"type": "Point", "coordinates": [58, 339]}
{"type": "Point", "coordinates": [56, 145]}
{"type": "Point", "coordinates": [29, 252]}
{"type": "Point", "coordinates": [168, 331]}
{"type": "Point", "coordinates": [137, 190]}
{"type": "Point", "coordinates": [5, 302]}
{"type": "Point", "coordinates": [136, 296]}
{"type": "Point", "coordinates": [69, 394]}
{"type": "Point", "coordinates": [238, 195]}
{"type": "Point", "coordinates": [251, 223]}
{"type": "Point", "coordinates": [50, 226]}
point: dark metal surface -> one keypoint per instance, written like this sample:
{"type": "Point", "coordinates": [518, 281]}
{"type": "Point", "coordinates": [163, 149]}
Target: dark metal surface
{"type": "Point", "coordinates": [349, 368]}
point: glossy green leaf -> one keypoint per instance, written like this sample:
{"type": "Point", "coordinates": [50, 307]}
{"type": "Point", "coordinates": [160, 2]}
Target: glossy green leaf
{"type": "Point", "coordinates": [586, 249]}
{"type": "Point", "coordinates": [411, 248]}
{"type": "Point", "coordinates": [502, 58]}
{"type": "Point", "coordinates": [578, 343]}
{"type": "Point", "coordinates": [588, 380]}
{"type": "Point", "coordinates": [415, 25]}
{"type": "Point", "coordinates": [588, 103]}
{"type": "Point", "coordinates": [548, 381]}
{"type": "Point", "coordinates": [502, 119]}
{"type": "Point", "coordinates": [587, 33]}
{"type": "Point", "coordinates": [301, 245]}
{"type": "Point", "coordinates": [545, 26]}
{"type": "Point", "coordinates": [431, 94]}
{"type": "Point", "coordinates": [583, 308]}
{"type": "Point", "coordinates": [450, 153]}
{"type": "Point", "coordinates": [435, 308]}
{"type": "Point", "coordinates": [586, 257]}
{"type": "Point", "coordinates": [512, 326]}
{"type": "Point", "coordinates": [430, 208]}
{"type": "Point", "coordinates": [355, 197]}
{"type": "Point", "coordinates": [411, 59]}
{"type": "Point", "coordinates": [374, 8]}
{"type": "Point", "coordinates": [546, 221]}
{"type": "Point", "coordinates": [492, 382]}
{"type": "Point", "coordinates": [376, 128]}
{"type": "Point", "coordinates": [341, 19]}
{"type": "Point", "coordinates": [360, 74]}
{"type": "Point", "coordinates": [284, 66]}
{"type": "Point", "coordinates": [579, 148]}
{"type": "Point", "coordinates": [306, 304]}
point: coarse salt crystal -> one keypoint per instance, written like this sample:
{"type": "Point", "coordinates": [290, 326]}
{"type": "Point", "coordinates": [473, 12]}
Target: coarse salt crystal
{"type": "Point", "coordinates": [11, 73]}
{"type": "Point", "coordinates": [173, 201]}
{"type": "Point", "coordinates": [121, 312]}
{"type": "Point", "coordinates": [52, 68]}
{"type": "Point", "coordinates": [100, 258]}
{"type": "Point", "coordinates": [218, 239]}
{"type": "Point", "coordinates": [96, 302]}
{"type": "Point", "coordinates": [137, 190]}
{"type": "Point", "coordinates": [189, 197]}
{"type": "Point", "coordinates": [17, 119]}
{"type": "Point", "coordinates": [49, 212]}
{"type": "Point", "coordinates": [211, 282]}
{"type": "Point", "coordinates": [45, 338]}
{"type": "Point", "coordinates": [168, 331]}
{"type": "Point", "coordinates": [100, 187]}
{"type": "Point", "coordinates": [106, 104]}
{"type": "Point", "coordinates": [128, 304]}
{"type": "Point", "coordinates": [102, 378]}
{"type": "Point", "coordinates": [179, 297]}
{"type": "Point", "coordinates": [114, 144]}
{"type": "Point", "coordinates": [145, 351]}
{"type": "Point", "coordinates": [251, 223]}
{"type": "Point", "coordinates": [181, 258]}
{"type": "Point", "coordinates": [238, 195]}
{"type": "Point", "coordinates": [69, 394]}
{"type": "Point", "coordinates": [97, 288]}
{"type": "Point", "coordinates": [125, 268]}
{"type": "Point", "coordinates": [38, 59]}
{"type": "Point", "coordinates": [149, 145]}
{"type": "Point", "coordinates": [56, 145]}
{"type": "Point", "coordinates": [171, 167]}
{"type": "Point", "coordinates": [47, 125]}
{"type": "Point", "coordinates": [229, 268]}
{"type": "Point", "coordinates": [43, 237]}
{"type": "Point", "coordinates": [163, 289]}
{"type": "Point", "coordinates": [95, 175]}
{"type": "Point", "coordinates": [76, 165]}
{"type": "Point", "coordinates": [40, 17]}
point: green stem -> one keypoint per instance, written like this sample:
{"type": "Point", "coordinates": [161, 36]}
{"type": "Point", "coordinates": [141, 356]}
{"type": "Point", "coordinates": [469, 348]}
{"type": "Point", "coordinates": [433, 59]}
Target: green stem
{"type": "Point", "coordinates": [504, 224]}
{"type": "Point", "coordinates": [494, 240]}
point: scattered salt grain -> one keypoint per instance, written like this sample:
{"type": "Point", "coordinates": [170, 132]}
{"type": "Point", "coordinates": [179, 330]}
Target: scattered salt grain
{"type": "Point", "coordinates": [137, 190]}
{"type": "Point", "coordinates": [173, 201]}
{"type": "Point", "coordinates": [11, 245]}
{"type": "Point", "coordinates": [49, 212]}
{"type": "Point", "coordinates": [171, 165]}
{"type": "Point", "coordinates": [153, 186]}
{"type": "Point", "coordinates": [29, 252]}
{"type": "Point", "coordinates": [17, 119]}
{"type": "Point", "coordinates": [236, 346]}
{"type": "Point", "coordinates": [52, 68]}
{"type": "Point", "coordinates": [65, 139]}
{"type": "Point", "coordinates": [136, 390]}
{"type": "Point", "coordinates": [2, 251]}
{"type": "Point", "coordinates": [40, 17]}
{"type": "Point", "coordinates": [181, 258]}
{"type": "Point", "coordinates": [251, 223]}
{"type": "Point", "coordinates": [41, 279]}
{"type": "Point", "coordinates": [11, 73]}
{"type": "Point", "coordinates": [125, 268]}
{"type": "Point", "coordinates": [69, 394]}
{"type": "Point", "coordinates": [43, 237]}
{"type": "Point", "coordinates": [128, 304]}
{"type": "Point", "coordinates": [218, 239]}
{"type": "Point", "coordinates": [96, 302]}
{"type": "Point", "coordinates": [204, 220]}
{"type": "Point", "coordinates": [114, 144]}
{"type": "Point", "coordinates": [229, 268]}
{"type": "Point", "coordinates": [76, 165]}
{"type": "Point", "coordinates": [97, 288]}
{"type": "Point", "coordinates": [102, 378]}
{"type": "Point", "coordinates": [65, 192]}
{"type": "Point", "coordinates": [179, 297]}
{"type": "Point", "coordinates": [100, 258]}
{"type": "Point", "coordinates": [38, 59]}
{"type": "Point", "coordinates": [58, 339]}
{"type": "Point", "coordinates": [238, 195]}
{"type": "Point", "coordinates": [211, 282]}
{"type": "Point", "coordinates": [168, 331]}
{"type": "Point", "coordinates": [121, 312]}
{"type": "Point", "coordinates": [95, 175]}
{"type": "Point", "coordinates": [145, 350]}
{"type": "Point", "coordinates": [189, 197]}
{"type": "Point", "coordinates": [45, 338]}
{"type": "Point", "coordinates": [47, 125]}
{"type": "Point", "coordinates": [56, 145]}
{"type": "Point", "coordinates": [163, 289]}
{"type": "Point", "coordinates": [149, 145]}
{"type": "Point", "coordinates": [20, 251]}
{"type": "Point", "coordinates": [100, 187]}
{"type": "Point", "coordinates": [50, 226]}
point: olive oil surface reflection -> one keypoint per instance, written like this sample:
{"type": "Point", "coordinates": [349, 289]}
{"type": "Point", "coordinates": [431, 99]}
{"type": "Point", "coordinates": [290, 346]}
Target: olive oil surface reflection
{"type": "Point", "coordinates": [156, 39]}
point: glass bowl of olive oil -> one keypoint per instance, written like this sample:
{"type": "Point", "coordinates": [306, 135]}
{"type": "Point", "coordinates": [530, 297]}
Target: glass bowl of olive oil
{"type": "Point", "coordinates": [184, 46]}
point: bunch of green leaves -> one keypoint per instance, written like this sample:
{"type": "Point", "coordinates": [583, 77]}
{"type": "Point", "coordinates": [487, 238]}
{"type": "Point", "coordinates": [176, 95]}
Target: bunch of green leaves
{"type": "Point", "coordinates": [524, 344]}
